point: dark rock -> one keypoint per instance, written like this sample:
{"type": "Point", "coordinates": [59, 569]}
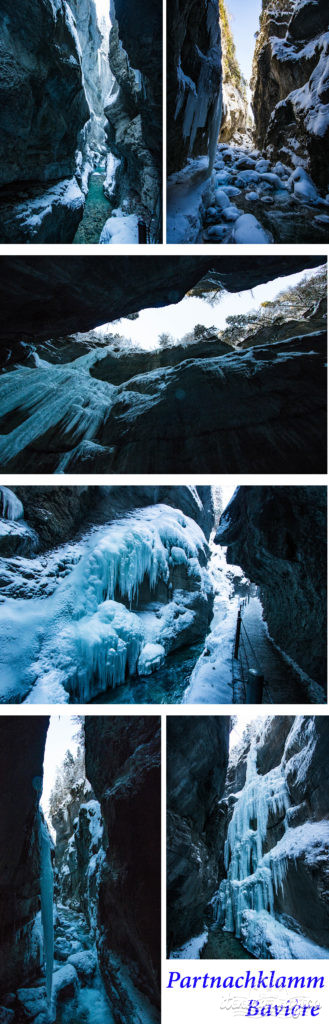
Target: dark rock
{"type": "Point", "coordinates": [277, 535]}
{"type": "Point", "coordinates": [123, 767]}
{"type": "Point", "coordinates": [43, 102]}
{"type": "Point", "coordinates": [197, 755]}
{"type": "Point", "coordinates": [55, 296]}
{"type": "Point", "coordinates": [194, 77]}
{"type": "Point", "coordinates": [22, 744]}
{"type": "Point", "coordinates": [135, 110]}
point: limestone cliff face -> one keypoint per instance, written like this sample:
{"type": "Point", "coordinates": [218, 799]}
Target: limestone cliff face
{"type": "Point", "coordinates": [22, 744]}
{"type": "Point", "coordinates": [277, 535]}
{"type": "Point", "coordinates": [235, 106]}
{"type": "Point", "coordinates": [43, 103]}
{"type": "Point", "coordinates": [291, 86]}
{"type": "Point", "coordinates": [197, 756]}
{"type": "Point", "coordinates": [123, 766]}
{"type": "Point", "coordinates": [194, 80]}
{"type": "Point", "coordinates": [134, 108]}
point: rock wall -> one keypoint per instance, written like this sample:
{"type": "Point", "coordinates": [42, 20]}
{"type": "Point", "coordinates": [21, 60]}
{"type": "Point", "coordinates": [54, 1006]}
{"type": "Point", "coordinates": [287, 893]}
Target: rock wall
{"type": "Point", "coordinates": [42, 299]}
{"type": "Point", "coordinates": [123, 767]}
{"type": "Point", "coordinates": [56, 514]}
{"type": "Point", "coordinates": [235, 106]}
{"type": "Point", "coordinates": [43, 103]}
{"type": "Point", "coordinates": [197, 756]}
{"type": "Point", "coordinates": [290, 85]}
{"type": "Point", "coordinates": [22, 744]}
{"type": "Point", "coordinates": [194, 80]}
{"type": "Point", "coordinates": [134, 109]}
{"type": "Point", "coordinates": [278, 536]}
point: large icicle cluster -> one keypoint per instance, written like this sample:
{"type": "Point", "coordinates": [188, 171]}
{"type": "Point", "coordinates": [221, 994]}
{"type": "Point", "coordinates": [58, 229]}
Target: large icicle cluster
{"type": "Point", "coordinates": [250, 882]}
{"type": "Point", "coordinates": [85, 638]}
{"type": "Point", "coordinates": [10, 506]}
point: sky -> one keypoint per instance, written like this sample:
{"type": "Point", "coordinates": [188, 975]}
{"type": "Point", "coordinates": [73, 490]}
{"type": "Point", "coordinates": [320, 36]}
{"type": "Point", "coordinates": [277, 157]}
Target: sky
{"type": "Point", "coordinates": [62, 729]}
{"type": "Point", "coordinates": [244, 24]}
{"type": "Point", "coordinates": [244, 716]}
{"type": "Point", "coordinates": [178, 320]}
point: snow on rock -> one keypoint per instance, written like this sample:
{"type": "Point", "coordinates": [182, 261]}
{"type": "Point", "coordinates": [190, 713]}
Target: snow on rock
{"type": "Point", "coordinates": [85, 964]}
{"type": "Point", "coordinates": [150, 658]}
{"type": "Point", "coordinates": [51, 216]}
{"type": "Point", "coordinates": [266, 937]}
{"type": "Point", "coordinates": [248, 229]}
{"type": "Point", "coordinates": [191, 949]}
{"type": "Point", "coordinates": [303, 186]}
{"type": "Point", "coordinates": [120, 229]}
{"type": "Point", "coordinates": [83, 639]}
{"type": "Point", "coordinates": [65, 983]}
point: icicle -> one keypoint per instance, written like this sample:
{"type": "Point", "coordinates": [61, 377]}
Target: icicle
{"type": "Point", "coordinates": [251, 877]}
{"type": "Point", "coordinates": [10, 506]}
{"type": "Point", "coordinates": [47, 895]}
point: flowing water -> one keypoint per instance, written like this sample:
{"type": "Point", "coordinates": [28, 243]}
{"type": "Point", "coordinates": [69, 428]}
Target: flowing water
{"type": "Point", "coordinates": [96, 211]}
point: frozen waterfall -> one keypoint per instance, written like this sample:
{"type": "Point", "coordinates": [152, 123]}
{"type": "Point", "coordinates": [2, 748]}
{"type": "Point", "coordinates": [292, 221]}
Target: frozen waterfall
{"type": "Point", "coordinates": [251, 883]}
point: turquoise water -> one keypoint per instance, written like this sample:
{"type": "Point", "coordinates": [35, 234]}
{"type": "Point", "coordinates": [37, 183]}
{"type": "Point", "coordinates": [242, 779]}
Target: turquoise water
{"type": "Point", "coordinates": [166, 686]}
{"type": "Point", "coordinates": [96, 212]}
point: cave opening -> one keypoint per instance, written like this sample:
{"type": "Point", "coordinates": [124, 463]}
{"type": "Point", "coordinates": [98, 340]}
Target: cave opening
{"type": "Point", "coordinates": [75, 402]}
{"type": "Point", "coordinates": [73, 832]}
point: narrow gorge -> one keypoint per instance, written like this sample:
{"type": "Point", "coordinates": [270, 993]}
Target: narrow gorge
{"type": "Point", "coordinates": [163, 595]}
{"type": "Point", "coordinates": [248, 838]}
{"type": "Point", "coordinates": [79, 890]}
{"type": "Point", "coordinates": [241, 171]}
{"type": "Point", "coordinates": [80, 127]}
{"type": "Point", "coordinates": [137, 366]}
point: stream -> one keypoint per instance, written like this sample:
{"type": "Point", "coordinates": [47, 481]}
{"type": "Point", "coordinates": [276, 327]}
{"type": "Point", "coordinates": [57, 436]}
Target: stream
{"type": "Point", "coordinates": [97, 209]}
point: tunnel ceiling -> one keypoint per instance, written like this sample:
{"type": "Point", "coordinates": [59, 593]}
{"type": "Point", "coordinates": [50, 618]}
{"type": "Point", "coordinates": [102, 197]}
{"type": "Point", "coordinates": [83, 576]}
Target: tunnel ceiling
{"type": "Point", "coordinates": [43, 297]}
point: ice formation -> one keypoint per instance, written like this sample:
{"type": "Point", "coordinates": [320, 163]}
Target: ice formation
{"type": "Point", "coordinates": [10, 506]}
{"type": "Point", "coordinates": [85, 637]}
{"type": "Point", "coordinates": [47, 896]}
{"type": "Point", "coordinates": [245, 902]}
{"type": "Point", "coordinates": [250, 882]}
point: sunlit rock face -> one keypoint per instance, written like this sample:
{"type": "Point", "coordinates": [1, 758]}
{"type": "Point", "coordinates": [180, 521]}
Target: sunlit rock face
{"type": "Point", "coordinates": [123, 766]}
{"type": "Point", "coordinates": [277, 535]}
{"type": "Point", "coordinates": [290, 84]}
{"type": "Point", "coordinates": [194, 78]}
{"type": "Point", "coordinates": [196, 765]}
{"type": "Point", "coordinates": [134, 108]}
{"type": "Point", "coordinates": [274, 889]}
{"type": "Point", "coordinates": [22, 744]}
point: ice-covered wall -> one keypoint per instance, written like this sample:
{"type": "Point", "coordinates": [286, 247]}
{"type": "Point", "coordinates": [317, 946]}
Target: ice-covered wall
{"type": "Point", "coordinates": [132, 591]}
{"type": "Point", "coordinates": [275, 887]}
